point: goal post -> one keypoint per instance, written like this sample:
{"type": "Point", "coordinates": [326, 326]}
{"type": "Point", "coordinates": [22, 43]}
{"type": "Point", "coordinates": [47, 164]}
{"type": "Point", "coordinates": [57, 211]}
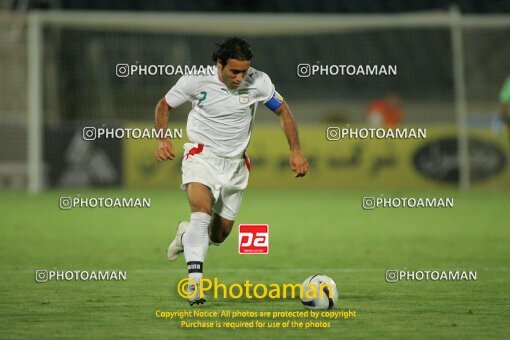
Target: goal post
{"type": "Point", "coordinates": [459, 86]}
{"type": "Point", "coordinates": [35, 104]}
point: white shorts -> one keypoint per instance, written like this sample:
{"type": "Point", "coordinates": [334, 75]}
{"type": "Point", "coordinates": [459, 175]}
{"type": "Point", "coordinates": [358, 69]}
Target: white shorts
{"type": "Point", "coordinates": [226, 177]}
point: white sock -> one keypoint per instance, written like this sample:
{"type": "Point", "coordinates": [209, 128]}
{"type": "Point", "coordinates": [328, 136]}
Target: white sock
{"type": "Point", "coordinates": [196, 242]}
{"type": "Point", "coordinates": [211, 242]}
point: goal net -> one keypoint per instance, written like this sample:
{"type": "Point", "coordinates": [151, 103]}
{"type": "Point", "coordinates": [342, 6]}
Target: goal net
{"type": "Point", "coordinates": [449, 71]}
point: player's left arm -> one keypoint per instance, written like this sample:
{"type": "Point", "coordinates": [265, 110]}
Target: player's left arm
{"type": "Point", "coordinates": [298, 162]}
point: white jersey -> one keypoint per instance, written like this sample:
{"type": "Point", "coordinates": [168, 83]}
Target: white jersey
{"type": "Point", "coordinates": [221, 118]}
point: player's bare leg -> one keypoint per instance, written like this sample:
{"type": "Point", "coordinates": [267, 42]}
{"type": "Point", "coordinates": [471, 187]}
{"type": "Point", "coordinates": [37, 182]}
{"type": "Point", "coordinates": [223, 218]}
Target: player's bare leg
{"type": "Point", "coordinates": [219, 229]}
{"type": "Point", "coordinates": [196, 238]}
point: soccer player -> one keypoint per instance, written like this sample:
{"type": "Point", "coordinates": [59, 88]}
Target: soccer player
{"type": "Point", "coordinates": [386, 112]}
{"type": "Point", "coordinates": [215, 168]}
{"type": "Point", "coordinates": [503, 116]}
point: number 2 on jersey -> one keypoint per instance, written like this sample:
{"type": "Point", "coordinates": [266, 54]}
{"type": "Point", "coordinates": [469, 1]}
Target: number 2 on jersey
{"type": "Point", "coordinates": [201, 99]}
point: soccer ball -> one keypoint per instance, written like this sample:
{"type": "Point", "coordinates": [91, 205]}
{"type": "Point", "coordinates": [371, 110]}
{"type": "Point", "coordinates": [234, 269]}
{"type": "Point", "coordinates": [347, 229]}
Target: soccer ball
{"type": "Point", "coordinates": [317, 294]}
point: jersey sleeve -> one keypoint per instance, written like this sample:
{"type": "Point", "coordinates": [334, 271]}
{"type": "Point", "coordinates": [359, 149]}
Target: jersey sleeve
{"type": "Point", "coordinates": [268, 94]}
{"type": "Point", "coordinates": [504, 95]}
{"type": "Point", "coordinates": [266, 88]}
{"type": "Point", "coordinates": [180, 93]}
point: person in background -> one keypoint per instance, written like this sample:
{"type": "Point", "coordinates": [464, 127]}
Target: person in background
{"type": "Point", "coordinates": [386, 112]}
{"type": "Point", "coordinates": [503, 116]}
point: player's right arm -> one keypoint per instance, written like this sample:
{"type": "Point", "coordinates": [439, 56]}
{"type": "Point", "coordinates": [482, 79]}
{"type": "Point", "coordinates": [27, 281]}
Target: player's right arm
{"type": "Point", "coordinates": [180, 93]}
{"type": "Point", "coordinates": [165, 148]}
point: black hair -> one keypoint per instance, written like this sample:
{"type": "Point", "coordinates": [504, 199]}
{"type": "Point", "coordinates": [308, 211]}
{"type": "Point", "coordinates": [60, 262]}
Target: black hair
{"type": "Point", "coordinates": [232, 48]}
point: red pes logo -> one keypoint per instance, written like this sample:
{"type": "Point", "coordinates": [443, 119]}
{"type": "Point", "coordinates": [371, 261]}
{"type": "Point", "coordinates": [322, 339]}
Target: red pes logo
{"type": "Point", "coordinates": [253, 239]}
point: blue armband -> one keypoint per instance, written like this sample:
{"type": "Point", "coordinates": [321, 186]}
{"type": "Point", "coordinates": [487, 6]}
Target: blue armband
{"type": "Point", "coordinates": [275, 101]}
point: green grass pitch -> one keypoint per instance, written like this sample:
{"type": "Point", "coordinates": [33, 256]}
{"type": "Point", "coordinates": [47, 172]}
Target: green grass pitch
{"type": "Point", "coordinates": [311, 231]}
